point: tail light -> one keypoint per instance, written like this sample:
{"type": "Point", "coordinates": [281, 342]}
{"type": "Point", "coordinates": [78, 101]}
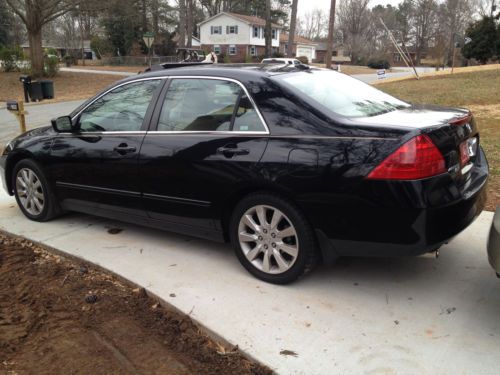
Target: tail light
{"type": "Point", "coordinates": [418, 158]}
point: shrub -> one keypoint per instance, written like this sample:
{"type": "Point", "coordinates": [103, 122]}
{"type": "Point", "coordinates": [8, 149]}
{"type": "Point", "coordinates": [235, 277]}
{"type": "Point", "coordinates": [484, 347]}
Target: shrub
{"type": "Point", "coordinates": [303, 59]}
{"type": "Point", "coordinates": [10, 58]}
{"type": "Point", "coordinates": [51, 51]}
{"type": "Point", "coordinates": [378, 64]}
{"type": "Point", "coordinates": [278, 54]}
{"type": "Point", "coordinates": [51, 66]}
{"type": "Point", "coordinates": [69, 60]}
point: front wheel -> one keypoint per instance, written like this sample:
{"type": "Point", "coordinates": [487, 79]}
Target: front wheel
{"type": "Point", "coordinates": [33, 192]}
{"type": "Point", "coordinates": [272, 238]}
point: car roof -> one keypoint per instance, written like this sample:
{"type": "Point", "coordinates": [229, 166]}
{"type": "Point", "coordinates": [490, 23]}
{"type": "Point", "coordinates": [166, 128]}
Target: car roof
{"type": "Point", "coordinates": [236, 71]}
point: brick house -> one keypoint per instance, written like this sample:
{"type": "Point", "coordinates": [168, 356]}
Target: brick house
{"type": "Point", "coordinates": [237, 36]}
{"type": "Point", "coordinates": [301, 46]}
{"type": "Point", "coordinates": [339, 54]}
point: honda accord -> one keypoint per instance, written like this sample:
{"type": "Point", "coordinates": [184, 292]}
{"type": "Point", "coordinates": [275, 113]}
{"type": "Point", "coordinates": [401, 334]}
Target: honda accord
{"type": "Point", "coordinates": [292, 165]}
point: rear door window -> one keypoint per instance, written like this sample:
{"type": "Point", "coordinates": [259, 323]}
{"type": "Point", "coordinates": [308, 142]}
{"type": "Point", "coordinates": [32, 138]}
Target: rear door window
{"type": "Point", "coordinates": [213, 105]}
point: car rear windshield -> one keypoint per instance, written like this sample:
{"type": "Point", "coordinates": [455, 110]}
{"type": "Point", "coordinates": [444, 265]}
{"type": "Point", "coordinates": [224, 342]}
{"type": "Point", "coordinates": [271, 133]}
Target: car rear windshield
{"type": "Point", "coordinates": [342, 94]}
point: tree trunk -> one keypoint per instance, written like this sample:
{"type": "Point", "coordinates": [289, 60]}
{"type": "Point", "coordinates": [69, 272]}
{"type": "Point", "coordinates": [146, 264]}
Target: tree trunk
{"type": "Point", "coordinates": [293, 23]}
{"type": "Point", "coordinates": [156, 17]}
{"type": "Point", "coordinates": [182, 24]}
{"type": "Point", "coordinates": [268, 30]}
{"type": "Point", "coordinates": [36, 51]}
{"type": "Point", "coordinates": [329, 46]}
{"type": "Point", "coordinates": [189, 31]}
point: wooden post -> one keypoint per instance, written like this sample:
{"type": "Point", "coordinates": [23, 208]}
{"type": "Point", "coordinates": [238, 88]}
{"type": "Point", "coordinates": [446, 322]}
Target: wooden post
{"type": "Point", "coordinates": [21, 118]}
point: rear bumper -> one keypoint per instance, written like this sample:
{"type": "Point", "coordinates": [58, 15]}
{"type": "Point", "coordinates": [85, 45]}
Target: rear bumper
{"type": "Point", "coordinates": [494, 242]}
{"type": "Point", "coordinates": [398, 218]}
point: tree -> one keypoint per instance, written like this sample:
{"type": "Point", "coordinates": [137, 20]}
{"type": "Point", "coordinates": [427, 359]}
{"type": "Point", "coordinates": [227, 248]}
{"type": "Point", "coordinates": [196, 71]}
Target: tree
{"type": "Point", "coordinates": [354, 21]}
{"type": "Point", "coordinates": [122, 25]}
{"type": "Point", "coordinates": [424, 19]}
{"type": "Point", "coordinates": [484, 40]}
{"type": "Point", "coordinates": [293, 23]}
{"type": "Point", "coordinates": [268, 30]}
{"type": "Point", "coordinates": [329, 46]}
{"type": "Point", "coordinates": [182, 23]}
{"type": "Point", "coordinates": [35, 14]}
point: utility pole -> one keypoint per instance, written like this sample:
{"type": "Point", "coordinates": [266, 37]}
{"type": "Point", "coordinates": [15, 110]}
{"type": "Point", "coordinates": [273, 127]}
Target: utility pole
{"type": "Point", "coordinates": [329, 47]}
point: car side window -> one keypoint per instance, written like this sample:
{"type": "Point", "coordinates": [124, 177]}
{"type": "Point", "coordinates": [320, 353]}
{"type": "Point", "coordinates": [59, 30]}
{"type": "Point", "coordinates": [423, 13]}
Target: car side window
{"type": "Point", "coordinates": [207, 105]}
{"type": "Point", "coordinates": [122, 109]}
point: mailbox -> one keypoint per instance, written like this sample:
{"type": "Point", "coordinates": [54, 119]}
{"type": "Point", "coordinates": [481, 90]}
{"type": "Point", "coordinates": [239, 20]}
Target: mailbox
{"type": "Point", "coordinates": [13, 106]}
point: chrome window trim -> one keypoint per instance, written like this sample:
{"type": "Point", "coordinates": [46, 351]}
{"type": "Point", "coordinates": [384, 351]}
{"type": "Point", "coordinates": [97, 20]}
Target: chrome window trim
{"type": "Point", "coordinates": [111, 89]}
{"type": "Point", "coordinates": [259, 114]}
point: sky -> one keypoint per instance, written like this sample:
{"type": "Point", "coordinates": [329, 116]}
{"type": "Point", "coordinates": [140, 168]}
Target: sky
{"type": "Point", "coordinates": [308, 5]}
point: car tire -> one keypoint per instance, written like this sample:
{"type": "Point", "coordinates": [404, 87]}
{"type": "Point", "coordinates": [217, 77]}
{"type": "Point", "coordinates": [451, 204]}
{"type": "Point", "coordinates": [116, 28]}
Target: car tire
{"type": "Point", "coordinates": [34, 195]}
{"type": "Point", "coordinates": [272, 238]}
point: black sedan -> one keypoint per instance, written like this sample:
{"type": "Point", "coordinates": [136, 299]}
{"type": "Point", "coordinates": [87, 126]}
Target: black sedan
{"type": "Point", "coordinates": [293, 166]}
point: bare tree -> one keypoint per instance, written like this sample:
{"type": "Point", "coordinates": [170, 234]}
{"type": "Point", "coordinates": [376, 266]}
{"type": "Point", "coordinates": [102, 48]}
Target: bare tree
{"type": "Point", "coordinates": [293, 24]}
{"type": "Point", "coordinates": [35, 14]}
{"type": "Point", "coordinates": [424, 21]}
{"type": "Point", "coordinates": [329, 46]}
{"type": "Point", "coordinates": [313, 25]}
{"type": "Point", "coordinates": [268, 30]}
{"type": "Point", "coordinates": [354, 21]}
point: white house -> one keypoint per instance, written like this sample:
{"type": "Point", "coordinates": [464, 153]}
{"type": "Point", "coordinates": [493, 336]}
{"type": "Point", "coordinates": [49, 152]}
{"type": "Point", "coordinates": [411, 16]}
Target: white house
{"type": "Point", "coordinates": [301, 46]}
{"type": "Point", "coordinates": [237, 35]}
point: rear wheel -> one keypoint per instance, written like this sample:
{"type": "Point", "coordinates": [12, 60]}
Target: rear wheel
{"type": "Point", "coordinates": [33, 193]}
{"type": "Point", "coordinates": [272, 238]}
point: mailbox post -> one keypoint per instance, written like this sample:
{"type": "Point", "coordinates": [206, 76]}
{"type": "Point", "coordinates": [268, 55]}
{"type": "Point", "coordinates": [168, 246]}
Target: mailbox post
{"type": "Point", "coordinates": [17, 109]}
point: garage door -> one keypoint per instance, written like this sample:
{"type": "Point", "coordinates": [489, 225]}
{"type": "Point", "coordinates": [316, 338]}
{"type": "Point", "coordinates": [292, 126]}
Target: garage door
{"type": "Point", "coordinates": [305, 51]}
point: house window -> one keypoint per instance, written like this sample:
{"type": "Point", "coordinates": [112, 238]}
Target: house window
{"type": "Point", "coordinates": [231, 29]}
{"type": "Point", "coordinates": [215, 29]}
{"type": "Point", "coordinates": [217, 50]}
{"type": "Point", "coordinates": [335, 53]}
{"type": "Point", "coordinates": [253, 51]}
{"type": "Point", "coordinates": [232, 50]}
{"type": "Point", "coordinates": [255, 32]}
{"type": "Point", "coordinates": [274, 34]}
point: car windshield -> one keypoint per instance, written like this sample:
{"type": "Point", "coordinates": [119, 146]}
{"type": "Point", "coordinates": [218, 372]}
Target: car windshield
{"type": "Point", "coordinates": [342, 94]}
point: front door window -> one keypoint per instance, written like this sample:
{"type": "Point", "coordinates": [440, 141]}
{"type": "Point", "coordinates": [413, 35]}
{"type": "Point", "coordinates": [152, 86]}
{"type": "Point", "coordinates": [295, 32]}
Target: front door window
{"type": "Point", "coordinates": [122, 109]}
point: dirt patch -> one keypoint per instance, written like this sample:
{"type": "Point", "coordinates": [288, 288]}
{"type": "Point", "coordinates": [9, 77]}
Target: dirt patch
{"type": "Point", "coordinates": [61, 316]}
{"type": "Point", "coordinates": [67, 86]}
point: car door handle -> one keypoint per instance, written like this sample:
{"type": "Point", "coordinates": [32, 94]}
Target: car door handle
{"type": "Point", "coordinates": [123, 149]}
{"type": "Point", "coordinates": [231, 151]}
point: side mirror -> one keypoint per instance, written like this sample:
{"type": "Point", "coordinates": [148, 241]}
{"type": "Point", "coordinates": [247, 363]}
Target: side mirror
{"type": "Point", "coordinates": [63, 124]}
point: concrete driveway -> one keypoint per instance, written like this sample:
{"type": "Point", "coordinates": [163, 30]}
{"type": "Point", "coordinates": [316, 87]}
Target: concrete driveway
{"type": "Point", "coordinates": [38, 115]}
{"type": "Point", "coordinates": [380, 316]}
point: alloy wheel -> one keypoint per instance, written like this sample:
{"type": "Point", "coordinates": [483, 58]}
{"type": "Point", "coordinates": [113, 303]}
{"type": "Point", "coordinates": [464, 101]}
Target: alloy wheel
{"type": "Point", "coordinates": [268, 239]}
{"type": "Point", "coordinates": [30, 191]}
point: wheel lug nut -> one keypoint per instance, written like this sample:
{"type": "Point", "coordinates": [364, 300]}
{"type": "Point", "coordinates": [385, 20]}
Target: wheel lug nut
{"type": "Point", "coordinates": [260, 238]}
{"type": "Point", "coordinates": [273, 245]}
{"type": "Point", "coordinates": [273, 235]}
{"type": "Point", "coordinates": [265, 230]}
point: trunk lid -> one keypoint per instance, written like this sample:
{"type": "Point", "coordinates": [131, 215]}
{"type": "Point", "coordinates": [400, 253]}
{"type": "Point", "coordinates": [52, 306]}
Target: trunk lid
{"type": "Point", "coordinates": [452, 130]}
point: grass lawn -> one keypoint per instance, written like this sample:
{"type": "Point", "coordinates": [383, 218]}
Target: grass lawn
{"type": "Point", "coordinates": [67, 86]}
{"type": "Point", "coordinates": [478, 91]}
